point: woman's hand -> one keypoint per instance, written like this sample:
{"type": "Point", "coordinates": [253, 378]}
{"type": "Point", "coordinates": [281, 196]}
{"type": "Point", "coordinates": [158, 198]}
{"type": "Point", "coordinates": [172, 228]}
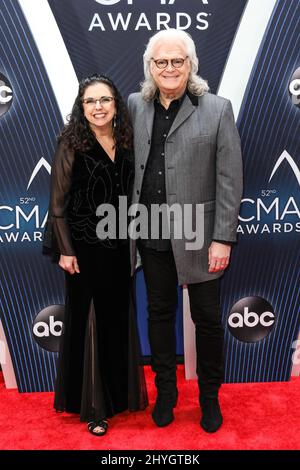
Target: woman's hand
{"type": "Point", "coordinates": [69, 264]}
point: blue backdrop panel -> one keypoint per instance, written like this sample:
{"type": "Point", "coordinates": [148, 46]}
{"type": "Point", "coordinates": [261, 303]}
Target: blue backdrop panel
{"type": "Point", "coordinates": [266, 259]}
{"type": "Point", "coordinates": [27, 133]}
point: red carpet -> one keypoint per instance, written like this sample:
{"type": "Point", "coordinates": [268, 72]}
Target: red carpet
{"type": "Point", "coordinates": [256, 416]}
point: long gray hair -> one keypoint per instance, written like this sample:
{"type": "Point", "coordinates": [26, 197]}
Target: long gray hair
{"type": "Point", "coordinates": [196, 85]}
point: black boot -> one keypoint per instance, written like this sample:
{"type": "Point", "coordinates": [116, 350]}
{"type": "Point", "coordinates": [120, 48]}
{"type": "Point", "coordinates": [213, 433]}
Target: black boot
{"type": "Point", "coordinates": [210, 375]}
{"type": "Point", "coordinates": [162, 413]}
{"type": "Point", "coordinates": [212, 418]}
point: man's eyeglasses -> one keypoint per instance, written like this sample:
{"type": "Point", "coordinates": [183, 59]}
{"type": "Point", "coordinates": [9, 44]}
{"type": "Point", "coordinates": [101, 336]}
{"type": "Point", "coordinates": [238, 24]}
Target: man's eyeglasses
{"type": "Point", "coordinates": [163, 63]}
{"type": "Point", "coordinates": [104, 100]}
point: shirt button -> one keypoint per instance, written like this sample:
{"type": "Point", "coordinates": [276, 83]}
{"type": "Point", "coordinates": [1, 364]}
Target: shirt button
{"type": "Point", "coordinates": [117, 185]}
{"type": "Point", "coordinates": [167, 117]}
{"type": "Point", "coordinates": [164, 135]}
{"type": "Point", "coordinates": [116, 173]}
{"type": "Point", "coordinates": [159, 191]}
{"type": "Point", "coordinates": [142, 167]}
{"type": "Point", "coordinates": [160, 172]}
{"type": "Point", "coordinates": [137, 191]}
{"type": "Point", "coordinates": [162, 154]}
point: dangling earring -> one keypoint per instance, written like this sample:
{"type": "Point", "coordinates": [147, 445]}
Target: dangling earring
{"type": "Point", "coordinates": [115, 121]}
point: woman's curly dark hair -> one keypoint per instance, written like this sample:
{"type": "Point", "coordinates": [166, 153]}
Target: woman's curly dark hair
{"type": "Point", "coordinates": [77, 133]}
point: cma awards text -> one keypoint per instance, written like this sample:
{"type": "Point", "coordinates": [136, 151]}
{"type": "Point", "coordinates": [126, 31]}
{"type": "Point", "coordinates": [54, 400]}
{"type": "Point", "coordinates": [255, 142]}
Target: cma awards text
{"type": "Point", "coordinates": [129, 21]}
{"type": "Point", "coordinates": [133, 19]}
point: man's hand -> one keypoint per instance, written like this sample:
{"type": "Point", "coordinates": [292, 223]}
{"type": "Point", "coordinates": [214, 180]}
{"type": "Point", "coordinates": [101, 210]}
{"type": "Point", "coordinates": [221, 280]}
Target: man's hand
{"type": "Point", "coordinates": [69, 264]}
{"type": "Point", "coordinates": [218, 256]}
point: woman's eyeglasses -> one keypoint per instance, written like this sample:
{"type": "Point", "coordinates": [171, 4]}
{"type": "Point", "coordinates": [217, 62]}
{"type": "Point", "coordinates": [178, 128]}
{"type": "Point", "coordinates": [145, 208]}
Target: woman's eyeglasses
{"type": "Point", "coordinates": [163, 63]}
{"type": "Point", "coordinates": [104, 100]}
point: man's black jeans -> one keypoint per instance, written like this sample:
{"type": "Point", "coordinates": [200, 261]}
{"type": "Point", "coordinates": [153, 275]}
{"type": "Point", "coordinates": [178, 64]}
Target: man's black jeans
{"type": "Point", "coordinates": [161, 284]}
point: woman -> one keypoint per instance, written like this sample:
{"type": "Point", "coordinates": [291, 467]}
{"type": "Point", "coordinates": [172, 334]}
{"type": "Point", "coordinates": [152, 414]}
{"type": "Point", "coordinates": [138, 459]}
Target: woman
{"type": "Point", "coordinates": [98, 370]}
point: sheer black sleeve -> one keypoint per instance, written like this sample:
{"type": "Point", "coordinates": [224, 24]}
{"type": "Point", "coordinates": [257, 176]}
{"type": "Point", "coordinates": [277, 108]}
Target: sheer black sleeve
{"type": "Point", "coordinates": [57, 238]}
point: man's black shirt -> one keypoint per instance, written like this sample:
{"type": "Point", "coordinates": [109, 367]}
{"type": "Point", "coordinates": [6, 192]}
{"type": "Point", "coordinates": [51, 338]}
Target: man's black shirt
{"type": "Point", "coordinates": [154, 185]}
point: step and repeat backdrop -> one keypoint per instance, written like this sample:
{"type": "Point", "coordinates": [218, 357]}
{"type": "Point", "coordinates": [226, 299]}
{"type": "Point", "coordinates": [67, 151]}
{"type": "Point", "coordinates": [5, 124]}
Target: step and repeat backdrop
{"type": "Point", "coordinates": [249, 53]}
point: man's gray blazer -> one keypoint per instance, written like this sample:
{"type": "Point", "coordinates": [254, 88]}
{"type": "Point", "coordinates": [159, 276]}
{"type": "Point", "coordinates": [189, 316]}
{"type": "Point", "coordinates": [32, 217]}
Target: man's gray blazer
{"type": "Point", "coordinates": [203, 165]}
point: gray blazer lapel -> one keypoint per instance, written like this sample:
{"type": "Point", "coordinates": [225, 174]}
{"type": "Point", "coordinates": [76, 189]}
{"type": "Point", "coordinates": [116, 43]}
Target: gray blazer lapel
{"type": "Point", "coordinates": [184, 112]}
{"type": "Point", "coordinates": [149, 111]}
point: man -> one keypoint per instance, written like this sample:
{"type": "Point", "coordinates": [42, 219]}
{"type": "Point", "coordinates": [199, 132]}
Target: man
{"type": "Point", "coordinates": [187, 151]}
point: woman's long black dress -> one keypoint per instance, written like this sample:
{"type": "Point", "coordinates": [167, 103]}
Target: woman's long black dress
{"type": "Point", "coordinates": [99, 373]}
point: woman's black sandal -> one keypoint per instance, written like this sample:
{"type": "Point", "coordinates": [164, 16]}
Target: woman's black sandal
{"type": "Point", "coordinates": [98, 428]}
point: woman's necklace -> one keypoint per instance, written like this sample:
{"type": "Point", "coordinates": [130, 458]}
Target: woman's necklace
{"type": "Point", "coordinates": [108, 142]}
{"type": "Point", "coordinates": [108, 146]}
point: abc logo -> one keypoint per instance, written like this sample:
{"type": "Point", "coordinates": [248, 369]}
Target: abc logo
{"type": "Point", "coordinates": [6, 94]}
{"type": "Point", "coordinates": [294, 88]}
{"type": "Point", "coordinates": [47, 327]}
{"type": "Point", "coordinates": [251, 319]}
